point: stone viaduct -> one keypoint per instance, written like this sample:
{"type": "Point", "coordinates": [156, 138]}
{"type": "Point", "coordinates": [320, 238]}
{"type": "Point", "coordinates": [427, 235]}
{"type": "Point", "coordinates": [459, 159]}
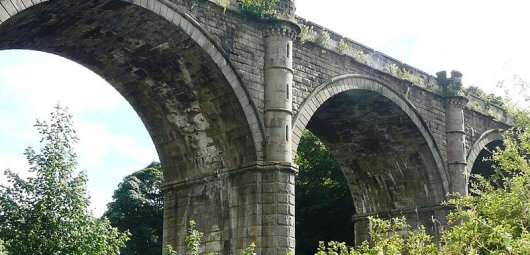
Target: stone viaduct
{"type": "Point", "coordinates": [226, 98]}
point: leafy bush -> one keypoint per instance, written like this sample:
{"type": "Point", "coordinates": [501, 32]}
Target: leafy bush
{"type": "Point", "coordinates": [261, 9]}
{"type": "Point", "coordinates": [343, 46]}
{"type": "Point", "coordinates": [307, 34]}
{"type": "Point", "coordinates": [250, 250]}
{"type": "Point", "coordinates": [387, 238]}
{"type": "Point", "coordinates": [323, 39]}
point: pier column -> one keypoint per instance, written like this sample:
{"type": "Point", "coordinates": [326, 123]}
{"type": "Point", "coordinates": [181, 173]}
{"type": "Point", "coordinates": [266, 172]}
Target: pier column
{"type": "Point", "coordinates": [455, 101]}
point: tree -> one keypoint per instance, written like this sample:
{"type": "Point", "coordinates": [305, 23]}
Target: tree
{"type": "Point", "coordinates": [324, 206]}
{"type": "Point", "coordinates": [137, 206]}
{"type": "Point", "coordinates": [495, 219]}
{"type": "Point", "coordinates": [48, 213]}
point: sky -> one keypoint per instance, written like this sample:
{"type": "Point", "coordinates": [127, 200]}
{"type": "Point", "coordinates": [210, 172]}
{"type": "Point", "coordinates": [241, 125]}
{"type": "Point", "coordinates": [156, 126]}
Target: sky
{"type": "Point", "coordinates": [113, 140]}
{"type": "Point", "coordinates": [488, 41]}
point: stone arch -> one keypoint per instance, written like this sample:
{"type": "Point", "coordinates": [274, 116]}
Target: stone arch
{"type": "Point", "coordinates": [204, 47]}
{"type": "Point", "coordinates": [362, 82]}
{"type": "Point", "coordinates": [385, 149]}
{"type": "Point", "coordinates": [486, 138]}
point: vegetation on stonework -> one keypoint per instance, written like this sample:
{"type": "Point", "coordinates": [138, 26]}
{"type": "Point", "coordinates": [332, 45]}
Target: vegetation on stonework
{"type": "Point", "coordinates": [321, 193]}
{"type": "Point", "coordinates": [137, 207]}
{"type": "Point", "coordinates": [307, 34]}
{"type": "Point", "coordinates": [48, 213]}
{"type": "Point", "coordinates": [515, 94]}
{"type": "Point", "coordinates": [224, 4]}
{"type": "Point", "coordinates": [250, 250]}
{"type": "Point", "coordinates": [343, 46]}
{"type": "Point", "coordinates": [494, 219]}
{"type": "Point", "coordinates": [323, 39]}
{"type": "Point", "coordinates": [261, 9]}
{"type": "Point", "coordinates": [489, 98]}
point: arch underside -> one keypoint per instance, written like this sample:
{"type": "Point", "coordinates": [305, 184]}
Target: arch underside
{"type": "Point", "coordinates": [481, 149]}
{"type": "Point", "coordinates": [384, 157]}
{"type": "Point", "coordinates": [189, 107]}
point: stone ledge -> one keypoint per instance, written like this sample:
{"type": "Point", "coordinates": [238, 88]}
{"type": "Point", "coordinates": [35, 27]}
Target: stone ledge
{"type": "Point", "coordinates": [258, 166]}
{"type": "Point", "coordinates": [393, 213]}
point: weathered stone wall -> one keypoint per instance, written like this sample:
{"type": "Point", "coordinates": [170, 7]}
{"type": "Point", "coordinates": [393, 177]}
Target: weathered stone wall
{"type": "Point", "coordinates": [385, 158]}
{"type": "Point", "coordinates": [194, 109]}
{"type": "Point", "coordinates": [315, 66]}
{"type": "Point", "coordinates": [234, 209]}
{"type": "Point", "coordinates": [493, 136]}
{"type": "Point", "coordinates": [195, 73]}
{"type": "Point", "coordinates": [387, 155]}
{"type": "Point", "coordinates": [239, 36]}
{"type": "Point", "coordinates": [476, 123]}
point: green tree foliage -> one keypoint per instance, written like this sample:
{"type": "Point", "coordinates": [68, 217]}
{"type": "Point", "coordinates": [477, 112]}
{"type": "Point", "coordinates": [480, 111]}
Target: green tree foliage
{"type": "Point", "coordinates": [491, 98]}
{"type": "Point", "coordinates": [48, 213]}
{"type": "Point", "coordinates": [495, 219]}
{"type": "Point", "coordinates": [137, 206]}
{"type": "Point", "coordinates": [324, 206]}
{"type": "Point", "coordinates": [3, 250]}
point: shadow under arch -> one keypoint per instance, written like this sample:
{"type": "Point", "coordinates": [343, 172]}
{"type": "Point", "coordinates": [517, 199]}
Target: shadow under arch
{"type": "Point", "coordinates": [385, 149]}
{"type": "Point", "coordinates": [187, 93]}
{"type": "Point", "coordinates": [481, 149]}
{"type": "Point", "coordinates": [171, 71]}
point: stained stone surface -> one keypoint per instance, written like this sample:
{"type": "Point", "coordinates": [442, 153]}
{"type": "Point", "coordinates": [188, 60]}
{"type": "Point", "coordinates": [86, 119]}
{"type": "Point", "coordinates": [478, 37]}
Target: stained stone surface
{"type": "Point", "coordinates": [384, 157]}
{"type": "Point", "coordinates": [195, 74]}
{"type": "Point", "coordinates": [180, 94]}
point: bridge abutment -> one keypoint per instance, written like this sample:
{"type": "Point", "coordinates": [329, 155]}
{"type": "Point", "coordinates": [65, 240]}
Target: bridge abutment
{"type": "Point", "coordinates": [234, 208]}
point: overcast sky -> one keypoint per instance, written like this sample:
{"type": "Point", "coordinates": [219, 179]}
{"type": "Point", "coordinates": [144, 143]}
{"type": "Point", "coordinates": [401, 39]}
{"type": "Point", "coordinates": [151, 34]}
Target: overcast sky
{"type": "Point", "coordinates": [488, 41]}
